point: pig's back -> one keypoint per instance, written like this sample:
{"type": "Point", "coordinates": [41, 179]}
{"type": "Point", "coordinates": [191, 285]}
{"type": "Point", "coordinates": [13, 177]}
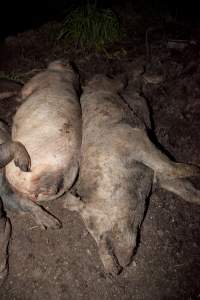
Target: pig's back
{"type": "Point", "coordinates": [48, 124]}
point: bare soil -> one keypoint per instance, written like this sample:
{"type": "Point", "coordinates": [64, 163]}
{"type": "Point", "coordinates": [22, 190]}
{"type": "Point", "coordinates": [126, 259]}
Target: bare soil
{"type": "Point", "coordinates": [64, 264]}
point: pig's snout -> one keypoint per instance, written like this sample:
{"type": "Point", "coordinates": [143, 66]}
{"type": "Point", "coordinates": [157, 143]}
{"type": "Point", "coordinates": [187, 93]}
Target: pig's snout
{"type": "Point", "coordinates": [116, 250]}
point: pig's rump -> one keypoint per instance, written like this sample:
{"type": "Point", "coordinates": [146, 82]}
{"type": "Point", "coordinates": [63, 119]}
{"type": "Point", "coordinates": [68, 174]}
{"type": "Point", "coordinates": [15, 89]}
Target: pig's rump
{"type": "Point", "coordinates": [50, 133]}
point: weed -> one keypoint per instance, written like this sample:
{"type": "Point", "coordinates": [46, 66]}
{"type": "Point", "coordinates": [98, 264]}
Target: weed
{"type": "Point", "coordinates": [89, 26]}
{"type": "Point", "coordinates": [11, 76]}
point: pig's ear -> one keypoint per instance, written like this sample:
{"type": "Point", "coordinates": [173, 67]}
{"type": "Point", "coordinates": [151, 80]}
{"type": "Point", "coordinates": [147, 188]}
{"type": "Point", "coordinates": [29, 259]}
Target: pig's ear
{"type": "Point", "coordinates": [61, 65]}
{"type": "Point", "coordinates": [57, 65]}
{"type": "Point", "coordinates": [72, 202]}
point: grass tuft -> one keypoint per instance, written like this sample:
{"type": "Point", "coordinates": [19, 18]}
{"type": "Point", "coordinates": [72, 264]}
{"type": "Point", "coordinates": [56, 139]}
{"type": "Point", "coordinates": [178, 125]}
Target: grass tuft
{"type": "Point", "coordinates": [89, 26]}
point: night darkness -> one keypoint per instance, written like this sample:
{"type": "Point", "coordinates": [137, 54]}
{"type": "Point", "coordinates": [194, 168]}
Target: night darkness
{"type": "Point", "coordinates": [18, 16]}
{"type": "Point", "coordinates": [153, 49]}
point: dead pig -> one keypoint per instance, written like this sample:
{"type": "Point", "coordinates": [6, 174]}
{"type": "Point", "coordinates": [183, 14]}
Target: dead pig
{"type": "Point", "coordinates": [118, 167]}
{"type": "Point", "coordinates": [10, 92]}
{"type": "Point", "coordinates": [8, 151]}
{"type": "Point", "coordinates": [48, 123]}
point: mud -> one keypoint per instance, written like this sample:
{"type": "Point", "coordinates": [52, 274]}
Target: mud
{"type": "Point", "coordinates": [64, 264]}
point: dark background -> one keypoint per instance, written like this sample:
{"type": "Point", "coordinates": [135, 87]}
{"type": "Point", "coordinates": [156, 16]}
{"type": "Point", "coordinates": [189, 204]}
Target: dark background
{"type": "Point", "coordinates": [64, 264]}
{"type": "Point", "coordinates": [17, 16]}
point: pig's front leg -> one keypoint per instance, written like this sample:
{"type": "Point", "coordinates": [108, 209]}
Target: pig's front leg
{"type": "Point", "coordinates": [42, 217]}
{"type": "Point", "coordinates": [5, 233]}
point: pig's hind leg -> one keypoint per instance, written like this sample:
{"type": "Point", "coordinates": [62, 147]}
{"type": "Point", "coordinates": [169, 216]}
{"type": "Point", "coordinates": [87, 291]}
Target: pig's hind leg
{"type": "Point", "coordinates": [183, 188]}
{"type": "Point", "coordinates": [43, 218]}
{"type": "Point", "coordinates": [169, 175]}
{"type": "Point", "coordinates": [143, 150]}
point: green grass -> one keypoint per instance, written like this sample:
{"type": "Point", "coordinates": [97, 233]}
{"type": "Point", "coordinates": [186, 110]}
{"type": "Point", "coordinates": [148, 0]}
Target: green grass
{"type": "Point", "coordinates": [88, 26]}
{"type": "Point", "coordinates": [11, 76]}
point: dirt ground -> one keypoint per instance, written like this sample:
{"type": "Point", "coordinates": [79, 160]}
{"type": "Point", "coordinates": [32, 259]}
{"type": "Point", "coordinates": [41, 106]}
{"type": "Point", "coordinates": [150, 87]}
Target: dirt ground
{"type": "Point", "coordinates": [64, 264]}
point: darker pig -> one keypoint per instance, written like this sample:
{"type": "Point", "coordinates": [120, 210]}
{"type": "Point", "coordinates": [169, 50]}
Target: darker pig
{"type": "Point", "coordinates": [119, 164]}
{"type": "Point", "coordinates": [9, 150]}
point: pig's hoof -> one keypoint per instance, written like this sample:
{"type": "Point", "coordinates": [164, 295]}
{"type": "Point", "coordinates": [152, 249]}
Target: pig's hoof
{"type": "Point", "coordinates": [23, 163]}
{"type": "Point", "coordinates": [47, 221]}
{"type": "Point", "coordinates": [22, 158]}
{"type": "Point", "coordinates": [23, 166]}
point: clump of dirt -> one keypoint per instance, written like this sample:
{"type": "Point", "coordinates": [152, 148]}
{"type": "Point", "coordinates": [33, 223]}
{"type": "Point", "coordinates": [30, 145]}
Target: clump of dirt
{"type": "Point", "coordinates": [64, 264]}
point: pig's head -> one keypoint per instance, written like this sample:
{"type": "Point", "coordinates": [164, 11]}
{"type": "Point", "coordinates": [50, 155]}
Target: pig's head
{"type": "Point", "coordinates": [68, 69]}
{"type": "Point", "coordinates": [123, 238]}
{"type": "Point", "coordinates": [59, 65]}
{"type": "Point", "coordinates": [115, 237]}
{"type": "Point", "coordinates": [57, 71]}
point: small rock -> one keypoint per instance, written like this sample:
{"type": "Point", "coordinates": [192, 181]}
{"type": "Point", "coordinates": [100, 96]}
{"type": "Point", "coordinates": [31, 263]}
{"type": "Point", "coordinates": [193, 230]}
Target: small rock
{"type": "Point", "coordinates": [160, 233]}
{"type": "Point", "coordinates": [134, 264]}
